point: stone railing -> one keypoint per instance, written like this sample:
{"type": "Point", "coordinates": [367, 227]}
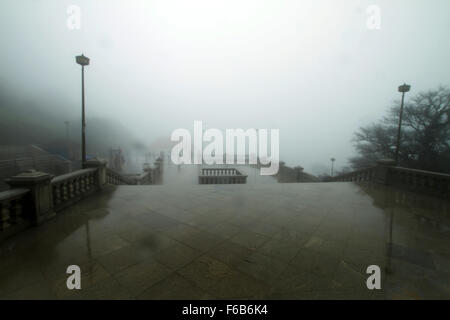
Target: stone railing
{"type": "Point", "coordinates": [13, 208]}
{"type": "Point", "coordinates": [385, 172]}
{"type": "Point", "coordinates": [155, 170]}
{"type": "Point", "coordinates": [35, 196]}
{"type": "Point", "coordinates": [362, 175]}
{"type": "Point", "coordinates": [52, 164]}
{"type": "Point", "coordinates": [144, 178]}
{"type": "Point", "coordinates": [221, 176]}
{"type": "Point", "coordinates": [69, 188]}
{"type": "Point", "coordinates": [151, 175]}
{"type": "Point", "coordinates": [418, 180]}
{"type": "Point", "coordinates": [115, 178]}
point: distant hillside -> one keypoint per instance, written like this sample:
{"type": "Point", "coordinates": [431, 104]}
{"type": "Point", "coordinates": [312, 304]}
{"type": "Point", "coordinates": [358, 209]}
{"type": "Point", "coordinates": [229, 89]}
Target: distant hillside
{"type": "Point", "coordinates": [26, 122]}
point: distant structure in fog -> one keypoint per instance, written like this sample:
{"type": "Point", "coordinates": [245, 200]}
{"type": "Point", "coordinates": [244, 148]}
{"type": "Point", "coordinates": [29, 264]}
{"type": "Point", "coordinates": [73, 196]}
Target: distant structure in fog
{"type": "Point", "coordinates": [116, 159]}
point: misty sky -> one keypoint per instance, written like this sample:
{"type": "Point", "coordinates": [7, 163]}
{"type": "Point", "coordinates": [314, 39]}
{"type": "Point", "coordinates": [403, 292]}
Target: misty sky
{"type": "Point", "coordinates": [309, 68]}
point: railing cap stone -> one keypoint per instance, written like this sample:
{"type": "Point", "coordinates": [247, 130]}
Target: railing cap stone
{"type": "Point", "coordinates": [96, 162]}
{"type": "Point", "coordinates": [28, 177]}
{"type": "Point", "coordinates": [386, 162]}
{"type": "Point", "coordinates": [12, 194]}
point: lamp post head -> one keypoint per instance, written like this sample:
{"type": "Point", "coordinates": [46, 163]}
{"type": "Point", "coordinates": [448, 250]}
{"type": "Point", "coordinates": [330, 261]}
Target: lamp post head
{"type": "Point", "coordinates": [332, 159]}
{"type": "Point", "coordinates": [82, 60]}
{"type": "Point", "coordinates": [404, 88]}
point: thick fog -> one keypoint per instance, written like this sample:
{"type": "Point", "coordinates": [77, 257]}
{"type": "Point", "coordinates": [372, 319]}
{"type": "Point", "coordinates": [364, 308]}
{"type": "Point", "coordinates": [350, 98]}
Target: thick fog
{"type": "Point", "coordinates": [312, 69]}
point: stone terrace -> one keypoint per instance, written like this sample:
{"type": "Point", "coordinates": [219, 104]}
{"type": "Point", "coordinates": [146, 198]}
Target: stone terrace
{"type": "Point", "coordinates": [253, 241]}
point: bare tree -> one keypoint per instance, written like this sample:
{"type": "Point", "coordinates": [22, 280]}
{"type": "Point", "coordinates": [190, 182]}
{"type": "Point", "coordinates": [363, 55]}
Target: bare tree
{"type": "Point", "coordinates": [425, 139]}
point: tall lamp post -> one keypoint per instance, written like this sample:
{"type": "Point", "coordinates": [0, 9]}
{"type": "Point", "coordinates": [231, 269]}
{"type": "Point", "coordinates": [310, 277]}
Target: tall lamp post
{"type": "Point", "coordinates": [332, 165]}
{"type": "Point", "coordinates": [83, 61]}
{"type": "Point", "coordinates": [403, 89]}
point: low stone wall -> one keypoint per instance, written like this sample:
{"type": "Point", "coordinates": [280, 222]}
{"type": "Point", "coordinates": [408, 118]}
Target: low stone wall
{"type": "Point", "coordinates": [52, 164]}
{"type": "Point", "coordinates": [385, 172]}
{"type": "Point", "coordinates": [151, 175]}
{"type": "Point", "coordinates": [117, 179]}
{"type": "Point", "coordinates": [36, 196]}
{"type": "Point", "coordinates": [69, 188]}
{"type": "Point", "coordinates": [14, 205]}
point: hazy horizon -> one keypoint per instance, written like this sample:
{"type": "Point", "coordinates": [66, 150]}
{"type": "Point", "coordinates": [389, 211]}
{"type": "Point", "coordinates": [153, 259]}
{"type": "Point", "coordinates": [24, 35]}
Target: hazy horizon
{"type": "Point", "coordinates": [312, 69]}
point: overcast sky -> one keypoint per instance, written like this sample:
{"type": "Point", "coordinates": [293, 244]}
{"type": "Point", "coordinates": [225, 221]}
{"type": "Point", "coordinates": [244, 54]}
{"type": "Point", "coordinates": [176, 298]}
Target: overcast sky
{"type": "Point", "coordinates": [312, 69]}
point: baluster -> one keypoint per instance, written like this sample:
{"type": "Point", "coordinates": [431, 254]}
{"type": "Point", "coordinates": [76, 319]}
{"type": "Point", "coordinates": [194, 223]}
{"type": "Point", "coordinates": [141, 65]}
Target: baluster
{"type": "Point", "coordinates": [65, 193]}
{"type": "Point", "coordinates": [70, 189]}
{"type": "Point", "coordinates": [427, 182]}
{"type": "Point", "coordinates": [4, 215]}
{"type": "Point", "coordinates": [77, 186]}
{"type": "Point", "coordinates": [16, 212]}
{"type": "Point", "coordinates": [83, 184]}
{"type": "Point", "coordinates": [56, 194]}
{"type": "Point", "coordinates": [432, 183]}
{"type": "Point", "coordinates": [419, 181]}
{"type": "Point", "coordinates": [86, 182]}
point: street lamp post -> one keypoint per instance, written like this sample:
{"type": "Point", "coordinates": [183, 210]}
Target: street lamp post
{"type": "Point", "coordinates": [83, 61]}
{"type": "Point", "coordinates": [403, 89]}
{"type": "Point", "coordinates": [332, 165]}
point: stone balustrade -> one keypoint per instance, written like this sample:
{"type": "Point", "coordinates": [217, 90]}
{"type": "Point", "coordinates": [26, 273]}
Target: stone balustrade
{"type": "Point", "coordinates": [421, 181]}
{"type": "Point", "coordinates": [151, 175]}
{"type": "Point", "coordinates": [221, 176]}
{"type": "Point", "coordinates": [144, 178]}
{"type": "Point", "coordinates": [356, 176]}
{"type": "Point", "coordinates": [117, 179]}
{"type": "Point", "coordinates": [385, 172]}
{"type": "Point", "coordinates": [35, 196]}
{"type": "Point", "coordinates": [69, 188]}
{"type": "Point", "coordinates": [13, 205]}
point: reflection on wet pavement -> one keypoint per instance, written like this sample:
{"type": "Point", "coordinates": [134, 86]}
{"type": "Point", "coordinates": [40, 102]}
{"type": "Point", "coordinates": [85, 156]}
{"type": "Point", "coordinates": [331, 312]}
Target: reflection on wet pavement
{"type": "Point", "coordinates": [253, 241]}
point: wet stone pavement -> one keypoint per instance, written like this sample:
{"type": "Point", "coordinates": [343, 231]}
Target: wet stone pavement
{"type": "Point", "coordinates": [252, 241]}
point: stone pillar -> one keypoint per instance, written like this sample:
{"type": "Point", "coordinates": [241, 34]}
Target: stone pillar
{"type": "Point", "coordinates": [382, 170]}
{"type": "Point", "coordinates": [159, 166]}
{"type": "Point", "coordinates": [100, 165]}
{"type": "Point", "coordinates": [41, 205]}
